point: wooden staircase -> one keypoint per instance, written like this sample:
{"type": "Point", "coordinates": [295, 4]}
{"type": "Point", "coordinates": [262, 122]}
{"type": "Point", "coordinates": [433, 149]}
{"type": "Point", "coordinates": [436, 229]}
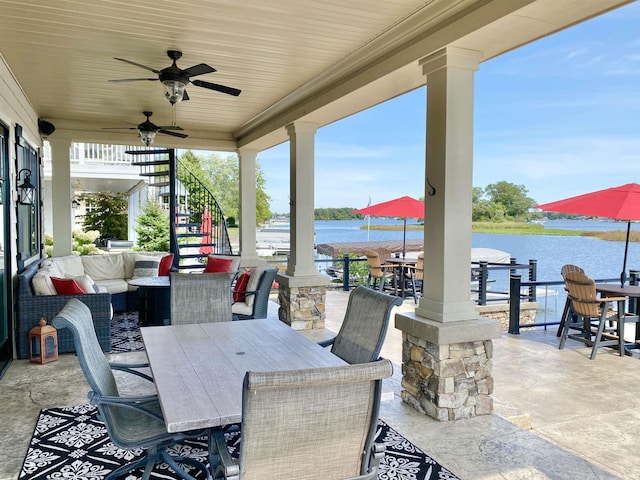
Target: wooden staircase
{"type": "Point", "coordinates": [198, 227]}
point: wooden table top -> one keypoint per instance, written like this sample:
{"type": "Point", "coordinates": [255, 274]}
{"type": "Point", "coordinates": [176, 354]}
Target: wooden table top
{"type": "Point", "coordinates": [616, 289]}
{"type": "Point", "coordinates": [199, 369]}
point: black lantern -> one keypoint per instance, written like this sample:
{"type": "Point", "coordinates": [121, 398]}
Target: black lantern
{"type": "Point", "coordinates": [43, 343]}
{"type": "Point", "coordinates": [26, 189]}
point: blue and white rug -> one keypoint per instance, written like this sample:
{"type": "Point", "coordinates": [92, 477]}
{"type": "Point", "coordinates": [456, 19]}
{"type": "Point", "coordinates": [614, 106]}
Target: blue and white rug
{"type": "Point", "coordinates": [70, 443]}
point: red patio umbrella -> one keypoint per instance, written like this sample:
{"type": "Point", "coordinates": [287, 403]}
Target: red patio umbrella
{"type": "Point", "coordinates": [403, 207]}
{"type": "Point", "coordinates": [619, 203]}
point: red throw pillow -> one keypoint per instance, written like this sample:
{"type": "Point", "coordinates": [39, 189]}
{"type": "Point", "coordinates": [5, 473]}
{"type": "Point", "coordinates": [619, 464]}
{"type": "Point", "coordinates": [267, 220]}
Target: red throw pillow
{"type": "Point", "coordinates": [67, 286]}
{"type": "Point", "coordinates": [241, 286]}
{"type": "Point", "coordinates": [165, 265]}
{"type": "Point", "coordinates": [217, 265]}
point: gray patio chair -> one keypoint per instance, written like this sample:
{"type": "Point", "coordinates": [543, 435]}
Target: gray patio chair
{"type": "Point", "coordinates": [364, 326]}
{"type": "Point", "coordinates": [330, 438]}
{"type": "Point", "coordinates": [131, 421]}
{"type": "Point", "coordinates": [258, 308]}
{"type": "Point", "coordinates": [201, 297]}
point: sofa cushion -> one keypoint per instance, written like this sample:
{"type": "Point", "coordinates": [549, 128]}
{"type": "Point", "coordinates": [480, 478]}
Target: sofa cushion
{"type": "Point", "coordinates": [166, 263]}
{"type": "Point", "coordinates": [145, 266]}
{"type": "Point", "coordinates": [103, 267]}
{"type": "Point", "coordinates": [241, 286]}
{"type": "Point", "coordinates": [252, 286]}
{"type": "Point", "coordinates": [235, 261]}
{"type": "Point", "coordinates": [217, 265]}
{"type": "Point", "coordinates": [41, 281]}
{"type": "Point", "coordinates": [86, 282]}
{"type": "Point", "coordinates": [68, 265]}
{"type": "Point", "coordinates": [130, 260]}
{"type": "Point", "coordinates": [67, 286]}
{"type": "Point", "coordinates": [241, 308]}
{"type": "Point", "coordinates": [114, 285]}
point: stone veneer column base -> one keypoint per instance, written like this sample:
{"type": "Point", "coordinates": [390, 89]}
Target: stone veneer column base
{"type": "Point", "coordinates": [302, 301]}
{"type": "Point", "coordinates": [446, 367]}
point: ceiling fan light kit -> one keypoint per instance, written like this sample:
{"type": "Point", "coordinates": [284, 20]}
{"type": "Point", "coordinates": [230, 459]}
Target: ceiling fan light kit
{"type": "Point", "coordinates": [174, 80]}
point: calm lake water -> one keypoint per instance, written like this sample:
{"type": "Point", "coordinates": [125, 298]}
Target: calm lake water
{"type": "Point", "coordinates": [599, 258]}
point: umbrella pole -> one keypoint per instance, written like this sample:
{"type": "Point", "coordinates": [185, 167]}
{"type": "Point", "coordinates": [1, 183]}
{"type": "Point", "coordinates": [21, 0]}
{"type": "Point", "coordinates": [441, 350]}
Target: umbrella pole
{"type": "Point", "coordinates": [623, 275]}
{"type": "Point", "coordinates": [404, 239]}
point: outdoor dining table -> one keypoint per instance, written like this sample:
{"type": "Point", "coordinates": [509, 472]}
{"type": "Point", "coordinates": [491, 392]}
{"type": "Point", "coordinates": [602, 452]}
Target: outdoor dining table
{"type": "Point", "coordinates": [402, 266]}
{"type": "Point", "coordinates": [199, 369]}
{"type": "Point", "coordinates": [631, 293]}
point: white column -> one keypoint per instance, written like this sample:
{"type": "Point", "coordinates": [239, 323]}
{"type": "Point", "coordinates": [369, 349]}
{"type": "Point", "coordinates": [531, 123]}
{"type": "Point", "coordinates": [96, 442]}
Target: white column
{"type": "Point", "coordinates": [247, 208]}
{"type": "Point", "coordinates": [302, 198]}
{"type": "Point", "coordinates": [61, 194]}
{"type": "Point", "coordinates": [449, 168]}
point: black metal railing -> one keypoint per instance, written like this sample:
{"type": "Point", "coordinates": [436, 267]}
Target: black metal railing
{"type": "Point", "coordinates": [197, 227]}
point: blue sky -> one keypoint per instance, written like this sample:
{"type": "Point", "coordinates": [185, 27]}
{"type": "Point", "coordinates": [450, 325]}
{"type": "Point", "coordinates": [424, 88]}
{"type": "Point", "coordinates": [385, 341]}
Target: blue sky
{"type": "Point", "coordinates": [560, 116]}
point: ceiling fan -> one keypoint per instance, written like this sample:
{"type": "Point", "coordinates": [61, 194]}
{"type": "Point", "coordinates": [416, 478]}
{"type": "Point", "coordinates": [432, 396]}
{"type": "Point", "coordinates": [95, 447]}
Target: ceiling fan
{"type": "Point", "coordinates": [175, 80]}
{"type": "Point", "coordinates": [148, 130]}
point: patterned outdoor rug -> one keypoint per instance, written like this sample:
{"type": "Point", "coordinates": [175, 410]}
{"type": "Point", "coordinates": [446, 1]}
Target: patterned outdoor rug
{"type": "Point", "coordinates": [71, 443]}
{"type": "Point", "coordinates": [125, 333]}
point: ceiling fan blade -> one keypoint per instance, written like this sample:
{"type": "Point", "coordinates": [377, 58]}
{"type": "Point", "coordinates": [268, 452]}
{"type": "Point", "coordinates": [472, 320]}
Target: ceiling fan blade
{"type": "Point", "coordinates": [199, 69]}
{"type": "Point", "coordinates": [174, 134]}
{"type": "Point", "coordinates": [214, 86]}
{"type": "Point", "coordinates": [137, 64]}
{"type": "Point", "coordinates": [172, 127]}
{"type": "Point", "coordinates": [133, 80]}
{"type": "Point", "coordinates": [185, 96]}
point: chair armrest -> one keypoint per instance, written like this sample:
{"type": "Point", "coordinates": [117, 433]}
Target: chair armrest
{"type": "Point", "coordinates": [225, 464]}
{"type": "Point", "coordinates": [131, 368]}
{"type": "Point", "coordinates": [137, 404]}
{"type": "Point", "coordinates": [328, 342]}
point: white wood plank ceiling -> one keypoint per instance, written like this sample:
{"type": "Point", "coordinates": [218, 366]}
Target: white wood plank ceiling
{"type": "Point", "coordinates": [311, 59]}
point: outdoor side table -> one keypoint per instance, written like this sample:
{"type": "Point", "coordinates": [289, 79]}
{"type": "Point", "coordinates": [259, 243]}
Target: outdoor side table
{"type": "Point", "coordinates": [155, 300]}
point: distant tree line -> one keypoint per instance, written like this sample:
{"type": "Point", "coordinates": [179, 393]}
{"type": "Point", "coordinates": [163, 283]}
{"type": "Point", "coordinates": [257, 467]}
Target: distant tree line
{"type": "Point", "coordinates": [344, 213]}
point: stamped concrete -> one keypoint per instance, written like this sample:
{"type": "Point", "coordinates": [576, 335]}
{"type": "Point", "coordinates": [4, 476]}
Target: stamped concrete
{"type": "Point", "coordinates": [583, 415]}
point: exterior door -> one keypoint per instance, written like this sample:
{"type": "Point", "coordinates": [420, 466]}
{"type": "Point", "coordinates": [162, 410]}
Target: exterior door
{"type": "Point", "coordinates": [6, 351]}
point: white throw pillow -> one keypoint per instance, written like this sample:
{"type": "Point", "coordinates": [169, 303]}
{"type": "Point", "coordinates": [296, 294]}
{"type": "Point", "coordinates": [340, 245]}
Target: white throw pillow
{"type": "Point", "coordinates": [252, 285]}
{"type": "Point", "coordinates": [145, 266]}
{"type": "Point", "coordinates": [86, 282]}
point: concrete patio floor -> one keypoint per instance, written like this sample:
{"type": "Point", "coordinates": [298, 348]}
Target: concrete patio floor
{"type": "Point", "coordinates": [558, 415]}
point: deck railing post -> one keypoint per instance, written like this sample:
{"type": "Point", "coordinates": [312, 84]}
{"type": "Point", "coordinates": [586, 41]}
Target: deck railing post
{"type": "Point", "coordinates": [345, 272]}
{"type": "Point", "coordinates": [533, 273]}
{"type": "Point", "coordinates": [514, 304]}
{"type": "Point", "coordinates": [482, 283]}
{"type": "Point", "coordinates": [634, 279]}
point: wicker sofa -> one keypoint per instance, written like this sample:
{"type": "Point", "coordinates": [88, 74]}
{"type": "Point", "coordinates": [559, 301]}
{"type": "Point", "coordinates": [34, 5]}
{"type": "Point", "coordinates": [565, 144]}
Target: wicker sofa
{"type": "Point", "coordinates": [30, 307]}
{"type": "Point", "coordinates": [36, 297]}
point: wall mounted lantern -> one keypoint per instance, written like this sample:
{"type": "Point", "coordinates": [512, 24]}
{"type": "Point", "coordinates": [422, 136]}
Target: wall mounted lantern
{"type": "Point", "coordinates": [26, 189]}
{"type": "Point", "coordinates": [75, 203]}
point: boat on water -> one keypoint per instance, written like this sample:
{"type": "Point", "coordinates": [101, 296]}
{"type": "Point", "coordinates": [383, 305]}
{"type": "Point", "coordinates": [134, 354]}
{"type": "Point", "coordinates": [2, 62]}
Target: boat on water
{"type": "Point", "coordinates": [272, 240]}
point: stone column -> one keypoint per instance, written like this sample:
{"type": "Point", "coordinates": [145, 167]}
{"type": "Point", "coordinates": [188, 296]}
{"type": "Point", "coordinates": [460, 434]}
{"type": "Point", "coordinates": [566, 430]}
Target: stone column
{"type": "Point", "coordinates": [302, 294]}
{"type": "Point", "coordinates": [446, 347]}
{"type": "Point", "coordinates": [61, 195]}
{"type": "Point", "coordinates": [247, 206]}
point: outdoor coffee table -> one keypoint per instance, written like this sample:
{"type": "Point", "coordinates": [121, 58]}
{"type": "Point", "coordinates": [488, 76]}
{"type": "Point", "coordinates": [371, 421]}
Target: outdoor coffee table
{"type": "Point", "coordinates": [199, 369]}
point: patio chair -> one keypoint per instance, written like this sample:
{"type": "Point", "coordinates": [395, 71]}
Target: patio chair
{"type": "Point", "coordinates": [379, 273]}
{"type": "Point", "coordinates": [364, 326]}
{"type": "Point", "coordinates": [568, 315]}
{"type": "Point", "coordinates": [330, 438]}
{"type": "Point", "coordinates": [132, 422]}
{"type": "Point", "coordinates": [201, 297]}
{"type": "Point", "coordinates": [594, 312]}
{"type": "Point", "coordinates": [256, 302]}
